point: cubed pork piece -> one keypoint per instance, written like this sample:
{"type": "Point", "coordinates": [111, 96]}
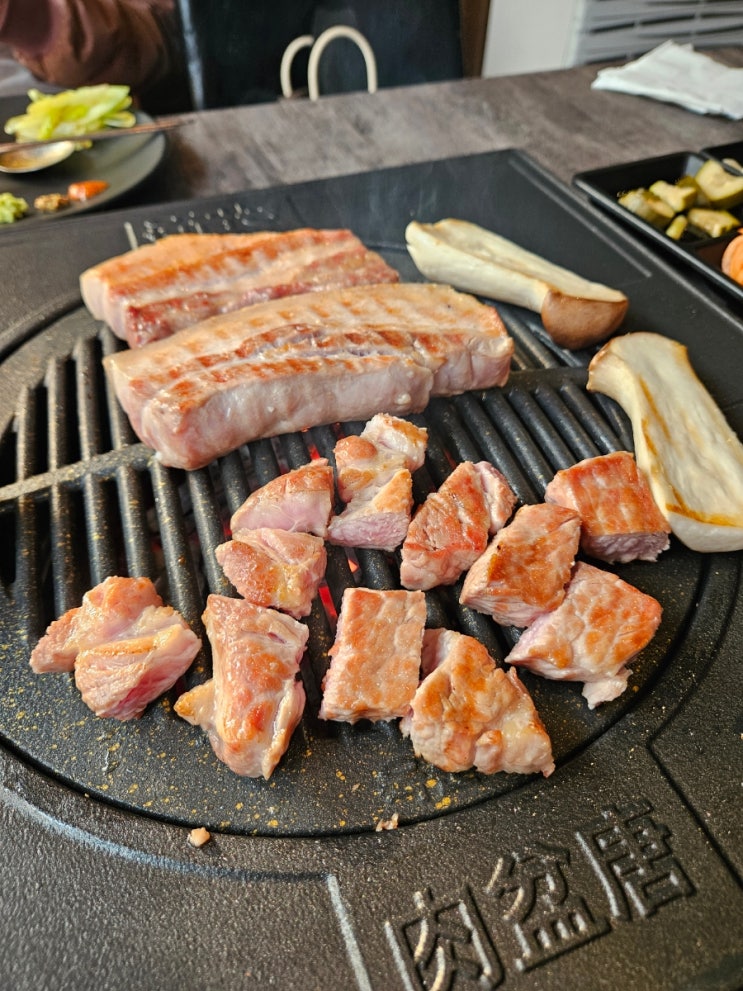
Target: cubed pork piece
{"type": "Point", "coordinates": [275, 568]}
{"type": "Point", "coordinates": [469, 713]}
{"type": "Point", "coordinates": [526, 567]}
{"type": "Point", "coordinates": [385, 445]}
{"type": "Point", "coordinates": [157, 289]}
{"type": "Point", "coordinates": [119, 678]}
{"type": "Point", "coordinates": [106, 613]}
{"type": "Point", "coordinates": [450, 530]}
{"type": "Point", "coordinates": [377, 518]}
{"type": "Point", "coordinates": [374, 478]}
{"type": "Point", "coordinates": [300, 500]}
{"type": "Point", "coordinates": [620, 520]}
{"type": "Point", "coordinates": [375, 659]}
{"type": "Point", "coordinates": [254, 700]}
{"type": "Point", "coordinates": [601, 625]}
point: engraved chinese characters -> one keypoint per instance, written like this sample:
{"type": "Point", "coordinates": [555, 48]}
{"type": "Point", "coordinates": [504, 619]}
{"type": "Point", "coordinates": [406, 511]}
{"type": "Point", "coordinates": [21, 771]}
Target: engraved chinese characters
{"type": "Point", "coordinates": [532, 909]}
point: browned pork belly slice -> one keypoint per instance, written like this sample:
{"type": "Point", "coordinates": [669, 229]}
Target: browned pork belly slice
{"type": "Point", "coordinates": [157, 289]}
{"type": "Point", "coordinates": [468, 713]}
{"type": "Point", "coordinates": [254, 701]}
{"type": "Point", "coordinates": [306, 360]}
{"type": "Point", "coordinates": [526, 567]}
{"type": "Point", "coordinates": [601, 625]}
{"type": "Point", "coordinates": [376, 656]}
{"type": "Point", "coordinates": [275, 568]}
{"type": "Point", "coordinates": [300, 501]}
{"type": "Point", "coordinates": [620, 520]}
{"type": "Point", "coordinates": [450, 530]}
{"type": "Point", "coordinates": [106, 613]}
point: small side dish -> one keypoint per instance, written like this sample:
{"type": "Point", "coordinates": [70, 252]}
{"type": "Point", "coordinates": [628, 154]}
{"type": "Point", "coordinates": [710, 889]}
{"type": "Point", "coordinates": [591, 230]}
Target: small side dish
{"type": "Point", "coordinates": [12, 208]}
{"type": "Point", "coordinates": [699, 204]}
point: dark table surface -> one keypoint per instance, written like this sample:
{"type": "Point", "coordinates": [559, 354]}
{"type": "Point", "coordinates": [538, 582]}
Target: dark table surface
{"type": "Point", "coordinates": [555, 116]}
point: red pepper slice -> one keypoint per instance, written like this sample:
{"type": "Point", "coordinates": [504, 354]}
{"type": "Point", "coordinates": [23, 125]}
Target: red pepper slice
{"type": "Point", "coordinates": [86, 190]}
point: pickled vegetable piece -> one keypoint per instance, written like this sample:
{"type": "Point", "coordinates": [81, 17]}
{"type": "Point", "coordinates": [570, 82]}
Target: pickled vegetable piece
{"type": "Point", "coordinates": [676, 228]}
{"type": "Point", "coordinates": [679, 198]}
{"type": "Point", "coordinates": [81, 191]}
{"type": "Point", "coordinates": [732, 259]}
{"type": "Point", "coordinates": [648, 207]}
{"type": "Point", "coordinates": [722, 189]}
{"type": "Point", "coordinates": [72, 113]}
{"type": "Point", "coordinates": [11, 208]}
{"type": "Point", "coordinates": [713, 223]}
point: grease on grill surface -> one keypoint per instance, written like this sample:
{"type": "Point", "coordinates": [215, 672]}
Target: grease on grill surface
{"type": "Point", "coordinates": [84, 500]}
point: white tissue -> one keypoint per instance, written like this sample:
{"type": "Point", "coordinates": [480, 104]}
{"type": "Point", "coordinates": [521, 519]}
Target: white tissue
{"type": "Point", "coordinates": [677, 74]}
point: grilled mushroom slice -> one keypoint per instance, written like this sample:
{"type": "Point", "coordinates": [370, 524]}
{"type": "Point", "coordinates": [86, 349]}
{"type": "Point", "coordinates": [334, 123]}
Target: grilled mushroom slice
{"type": "Point", "coordinates": [690, 455]}
{"type": "Point", "coordinates": [576, 313]}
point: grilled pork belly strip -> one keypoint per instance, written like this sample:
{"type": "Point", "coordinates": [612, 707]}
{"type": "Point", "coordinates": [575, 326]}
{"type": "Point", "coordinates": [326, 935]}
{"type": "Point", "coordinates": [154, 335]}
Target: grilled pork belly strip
{"type": "Point", "coordinates": [468, 713]}
{"type": "Point", "coordinates": [157, 289]}
{"type": "Point", "coordinates": [385, 445]}
{"type": "Point", "coordinates": [306, 360]}
{"type": "Point", "coordinates": [254, 701]}
{"type": "Point", "coordinates": [374, 477]}
{"type": "Point", "coordinates": [377, 520]}
{"type": "Point", "coordinates": [619, 518]}
{"type": "Point", "coordinates": [125, 647]}
{"type": "Point", "coordinates": [105, 613]}
{"type": "Point", "coordinates": [119, 678]}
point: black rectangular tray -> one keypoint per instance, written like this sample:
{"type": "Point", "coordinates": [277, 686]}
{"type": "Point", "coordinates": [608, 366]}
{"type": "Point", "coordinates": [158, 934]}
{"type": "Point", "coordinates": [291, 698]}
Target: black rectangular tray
{"type": "Point", "coordinates": [605, 185]}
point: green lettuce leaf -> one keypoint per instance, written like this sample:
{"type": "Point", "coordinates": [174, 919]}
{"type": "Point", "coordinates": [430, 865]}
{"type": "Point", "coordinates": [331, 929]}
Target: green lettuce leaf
{"type": "Point", "coordinates": [72, 113]}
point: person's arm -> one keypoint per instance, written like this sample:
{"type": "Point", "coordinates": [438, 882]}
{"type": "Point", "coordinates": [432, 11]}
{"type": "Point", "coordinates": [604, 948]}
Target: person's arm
{"type": "Point", "coordinates": [78, 42]}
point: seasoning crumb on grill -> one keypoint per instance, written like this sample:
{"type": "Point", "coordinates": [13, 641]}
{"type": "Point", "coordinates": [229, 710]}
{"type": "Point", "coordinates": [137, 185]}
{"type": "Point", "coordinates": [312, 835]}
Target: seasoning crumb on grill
{"type": "Point", "coordinates": [198, 837]}
{"type": "Point", "coordinates": [391, 823]}
{"type": "Point", "coordinates": [51, 202]}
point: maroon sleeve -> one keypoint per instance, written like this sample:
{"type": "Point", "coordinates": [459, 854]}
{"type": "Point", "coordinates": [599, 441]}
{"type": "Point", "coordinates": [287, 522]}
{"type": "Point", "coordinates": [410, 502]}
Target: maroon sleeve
{"type": "Point", "coordinates": [78, 42]}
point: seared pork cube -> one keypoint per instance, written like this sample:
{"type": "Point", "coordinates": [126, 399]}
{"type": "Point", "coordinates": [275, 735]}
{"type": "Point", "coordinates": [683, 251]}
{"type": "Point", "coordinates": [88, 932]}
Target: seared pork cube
{"type": "Point", "coordinates": [386, 444]}
{"type": "Point", "coordinates": [601, 625]}
{"type": "Point", "coordinates": [120, 677]}
{"type": "Point", "coordinates": [469, 713]}
{"type": "Point", "coordinates": [525, 569]}
{"type": "Point", "coordinates": [620, 520]}
{"type": "Point", "coordinates": [255, 700]}
{"type": "Point", "coordinates": [377, 518]}
{"type": "Point", "coordinates": [106, 612]}
{"type": "Point", "coordinates": [451, 529]}
{"type": "Point", "coordinates": [374, 478]}
{"type": "Point", "coordinates": [300, 500]}
{"type": "Point", "coordinates": [275, 568]}
{"type": "Point", "coordinates": [375, 659]}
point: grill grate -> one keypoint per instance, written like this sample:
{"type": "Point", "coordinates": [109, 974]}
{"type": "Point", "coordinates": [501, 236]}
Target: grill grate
{"type": "Point", "coordinates": [88, 500]}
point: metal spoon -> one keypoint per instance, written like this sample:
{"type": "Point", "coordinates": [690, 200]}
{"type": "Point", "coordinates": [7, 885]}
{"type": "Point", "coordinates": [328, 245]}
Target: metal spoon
{"type": "Point", "coordinates": [32, 159]}
{"type": "Point", "coordinates": [31, 156]}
